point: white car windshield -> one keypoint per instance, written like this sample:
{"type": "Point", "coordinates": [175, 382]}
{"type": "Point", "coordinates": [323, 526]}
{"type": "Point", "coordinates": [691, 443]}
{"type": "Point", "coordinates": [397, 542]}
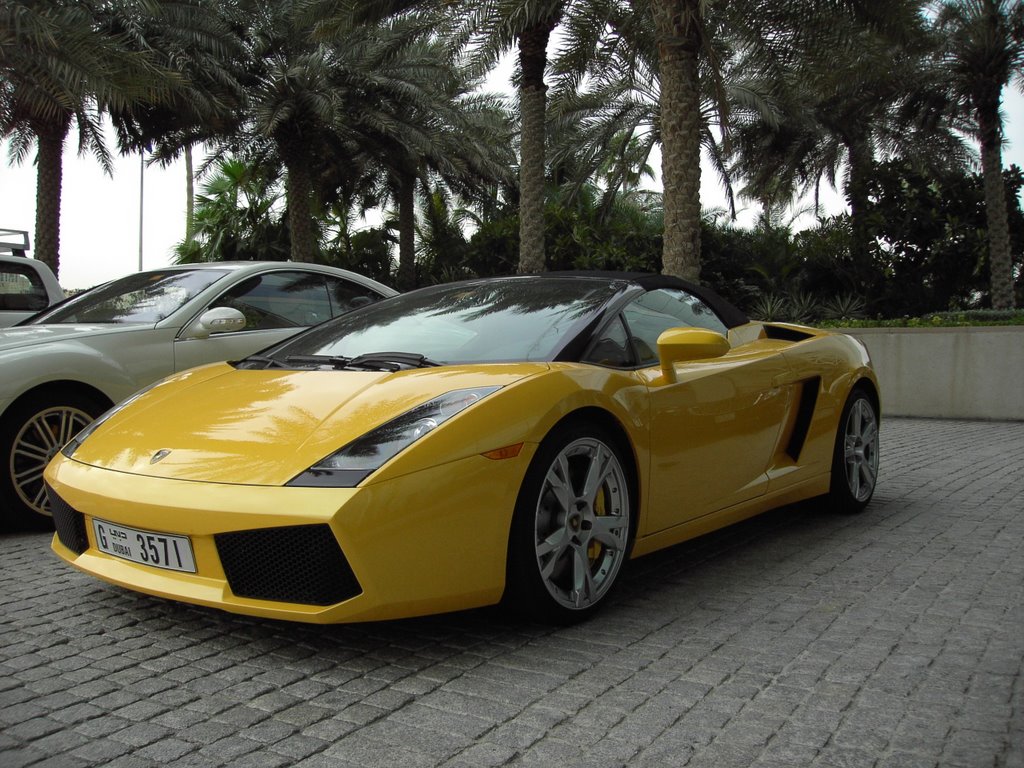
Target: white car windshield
{"type": "Point", "coordinates": [147, 297]}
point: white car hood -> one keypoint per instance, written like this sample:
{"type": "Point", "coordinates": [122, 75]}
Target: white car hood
{"type": "Point", "coordinates": [30, 335]}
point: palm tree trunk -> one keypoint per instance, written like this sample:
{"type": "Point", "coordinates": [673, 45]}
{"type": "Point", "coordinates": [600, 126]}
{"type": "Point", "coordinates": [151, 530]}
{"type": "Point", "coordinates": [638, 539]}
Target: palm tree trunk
{"type": "Point", "coordinates": [299, 189]}
{"type": "Point", "coordinates": [533, 45]}
{"type": "Point", "coordinates": [860, 165]}
{"type": "Point", "coordinates": [49, 179]}
{"type": "Point", "coordinates": [676, 25]}
{"type": "Point", "coordinates": [190, 196]}
{"type": "Point", "coordinates": [406, 231]}
{"type": "Point", "coordinates": [1000, 261]}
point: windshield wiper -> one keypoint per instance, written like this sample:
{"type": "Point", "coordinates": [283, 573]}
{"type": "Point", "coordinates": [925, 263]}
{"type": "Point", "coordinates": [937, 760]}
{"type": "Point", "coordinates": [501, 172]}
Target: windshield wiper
{"type": "Point", "coordinates": [252, 361]}
{"type": "Point", "coordinates": [391, 361]}
{"type": "Point", "coordinates": [330, 361]}
{"type": "Point", "coordinates": [373, 361]}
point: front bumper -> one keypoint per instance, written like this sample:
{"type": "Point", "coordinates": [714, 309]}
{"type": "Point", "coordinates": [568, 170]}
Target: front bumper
{"type": "Point", "coordinates": [427, 542]}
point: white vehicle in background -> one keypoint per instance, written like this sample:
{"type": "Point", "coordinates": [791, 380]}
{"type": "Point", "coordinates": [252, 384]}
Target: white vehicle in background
{"type": "Point", "coordinates": [66, 366]}
{"type": "Point", "coordinates": [26, 285]}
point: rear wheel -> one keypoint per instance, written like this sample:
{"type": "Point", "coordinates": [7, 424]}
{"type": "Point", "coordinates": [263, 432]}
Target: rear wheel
{"type": "Point", "coordinates": [31, 433]}
{"type": "Point", "coordinates": [855, 458]}
{"type": "Point", "coordinates": [572, 527]}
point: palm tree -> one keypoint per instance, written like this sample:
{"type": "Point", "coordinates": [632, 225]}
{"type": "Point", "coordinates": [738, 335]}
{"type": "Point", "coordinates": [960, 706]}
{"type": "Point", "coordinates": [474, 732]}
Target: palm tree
{"type": "Point", "coordinates": [203, 41]}
{"type": "Point", "coordinates": [866, 99]}
{"type": "Point", "coordinates": [769, 31]}
{"type": "Point", "coordinates": [526, 25]}
{"type": "Point", "coordinates": [64, 63]}
{"type": "Point", "coordinates": [983, 53]}
{"type": "Point", "coordinates": [497, 26]}
{"type": "Point", "coordinates": [449, 132]}
{"type": "Point", "coordinates": [327, 95]}
{"type": "Point", "coordinates": [237, 216]}
{"type": "Point", "coordinates": [682, 34]}
{"type": "Point", "coordinates": [294, 102]}
{"type": "Point", "coordinates": [538, 20]}
{"type": "Point", "coordinates": [609, 127]}
{"type": "Point", "coordinates": [443, 245]}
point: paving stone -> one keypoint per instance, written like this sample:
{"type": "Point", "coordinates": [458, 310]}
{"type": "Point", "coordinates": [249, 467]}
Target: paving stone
{"type": "Point", "coordinates": [229, 748]}
{"type": "Point", "coordinates": [35, 728]}
{"type": "Point", "coordinates": [99, 752]}
{"type": "Point", "coordinates": [103, 726]}
{"type": "Point", "coordinates": [299, 746]}
{"type": "Point", "coordinates": [141, 734]}
{"type": "Point", "coordinates": [166, 750]}
{"type": "Point", "coordinates": [889, 639]}
{"type": "Point", "coordinates": [241, 716]}
{"type": "Point", "coordinates": [262, 760]}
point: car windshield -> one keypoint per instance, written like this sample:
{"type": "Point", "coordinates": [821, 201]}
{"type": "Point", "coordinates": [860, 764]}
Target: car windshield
{"type": "Point", "coordinates": [523, 318]}
{"type": "Point", "coordinates": [147, 297]}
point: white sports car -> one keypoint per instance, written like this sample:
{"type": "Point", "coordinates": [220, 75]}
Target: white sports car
{"type": "Point", "coordinates": [64, 367]}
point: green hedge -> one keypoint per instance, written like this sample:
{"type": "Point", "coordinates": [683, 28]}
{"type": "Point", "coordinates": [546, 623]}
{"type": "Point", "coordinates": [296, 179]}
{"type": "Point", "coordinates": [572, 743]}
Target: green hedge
{"type": "Point", "coordinates": [972, 317]}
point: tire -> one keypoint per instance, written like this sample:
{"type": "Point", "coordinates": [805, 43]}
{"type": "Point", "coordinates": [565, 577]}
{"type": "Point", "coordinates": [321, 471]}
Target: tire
{"type": "Point", "coordinates": [571, 533]}
{"type": "Point", "coordinates": [31, 433]}
{"type": "Point", "coordinates": [855, 457]}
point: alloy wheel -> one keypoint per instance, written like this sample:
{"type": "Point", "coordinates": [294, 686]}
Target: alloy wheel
{"type": "Point", "coordinates": [35, 444]}
{"type": "Point", "coordinates": [582, 523]}
{"type": "Point", "coordinates": [860, 450]}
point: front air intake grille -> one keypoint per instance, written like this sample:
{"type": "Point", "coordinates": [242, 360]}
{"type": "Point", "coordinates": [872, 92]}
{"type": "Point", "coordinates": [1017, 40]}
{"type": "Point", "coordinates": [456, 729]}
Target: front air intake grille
{"type": "Point", "coordinates": [293, 564]}
{"type": "Point", "coordinates": [70, 523]}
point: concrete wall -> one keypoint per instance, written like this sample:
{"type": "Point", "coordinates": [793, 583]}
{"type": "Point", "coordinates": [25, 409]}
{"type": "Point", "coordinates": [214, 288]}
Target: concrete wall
{"type": "Point", "coordinates": [950, 373]}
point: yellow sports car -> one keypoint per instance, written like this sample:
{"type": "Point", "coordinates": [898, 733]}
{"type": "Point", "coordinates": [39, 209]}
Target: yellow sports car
{"type": "Point", "coordinates": [509, 438]}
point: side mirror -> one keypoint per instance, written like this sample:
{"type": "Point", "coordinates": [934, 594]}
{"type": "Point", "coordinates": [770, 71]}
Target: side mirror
{"type": "Point", "coordinates": [679, 345]}
{"type": "Point", "coordinates": [216, 320]}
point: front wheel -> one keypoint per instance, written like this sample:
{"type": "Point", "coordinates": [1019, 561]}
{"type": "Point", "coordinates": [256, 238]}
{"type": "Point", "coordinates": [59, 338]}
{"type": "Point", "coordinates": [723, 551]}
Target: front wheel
{"type": "Point", "coordinates": [572, 527]}
{"type": "Point", "coordinates": [31, 433]}
{"type": "Point", "coordinates": [855, 457]}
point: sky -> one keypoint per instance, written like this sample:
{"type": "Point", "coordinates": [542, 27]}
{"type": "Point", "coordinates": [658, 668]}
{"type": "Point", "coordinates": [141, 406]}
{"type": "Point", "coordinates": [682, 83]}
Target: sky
{"type": "Point", "coordinates": [100, 214]}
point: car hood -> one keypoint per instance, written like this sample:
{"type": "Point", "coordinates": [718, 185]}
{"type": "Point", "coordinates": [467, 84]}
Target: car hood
{"type": "Point", "coordinates": [263, 427]}
{"type": "Point", "coordinates": [29, 335]}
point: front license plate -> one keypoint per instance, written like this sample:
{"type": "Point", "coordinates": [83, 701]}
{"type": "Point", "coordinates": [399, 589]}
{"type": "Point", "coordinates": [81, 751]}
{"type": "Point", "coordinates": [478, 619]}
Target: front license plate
{"type": "Point", "coordinates": [160, 550]}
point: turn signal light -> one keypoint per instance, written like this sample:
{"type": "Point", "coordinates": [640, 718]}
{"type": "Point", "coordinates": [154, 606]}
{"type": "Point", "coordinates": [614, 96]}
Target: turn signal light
{"type": "Point", "coordinates": [508, 452]}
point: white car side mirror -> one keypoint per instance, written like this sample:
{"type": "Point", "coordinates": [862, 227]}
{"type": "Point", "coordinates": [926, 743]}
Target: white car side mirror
{"type": "Point", "coordinates": [217, 320]}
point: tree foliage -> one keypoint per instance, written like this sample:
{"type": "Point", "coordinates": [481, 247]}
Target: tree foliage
{"type": "Point", "coordinates": [931, 237]}
{"type": "Point", "coordinates": [928, 252]}
{"type": "Point", "coordinates": [319, 110]}
{"type": "Point", "coordinates": [66, 63]}
{"type": "Point", "coordinates": [237, 216]}
{"type": "Point", "coordinates": [982, 53]}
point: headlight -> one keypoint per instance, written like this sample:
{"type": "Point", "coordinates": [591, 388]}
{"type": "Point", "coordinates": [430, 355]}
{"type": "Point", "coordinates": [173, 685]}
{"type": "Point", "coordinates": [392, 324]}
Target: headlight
{"type": "Point", "coordinates": [72, 445]}
{"type": "Point", "coordinates": [364, 455]}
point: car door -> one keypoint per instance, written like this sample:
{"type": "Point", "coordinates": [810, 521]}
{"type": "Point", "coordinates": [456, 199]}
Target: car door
{"type": "Point", "coordinates": [714, 429]}
{"type": "Point", "coordinates": [275, 304]}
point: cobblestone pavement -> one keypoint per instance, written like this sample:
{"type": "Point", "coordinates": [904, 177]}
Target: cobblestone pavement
{"type": "Point", "coordinates": [801, 638]}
